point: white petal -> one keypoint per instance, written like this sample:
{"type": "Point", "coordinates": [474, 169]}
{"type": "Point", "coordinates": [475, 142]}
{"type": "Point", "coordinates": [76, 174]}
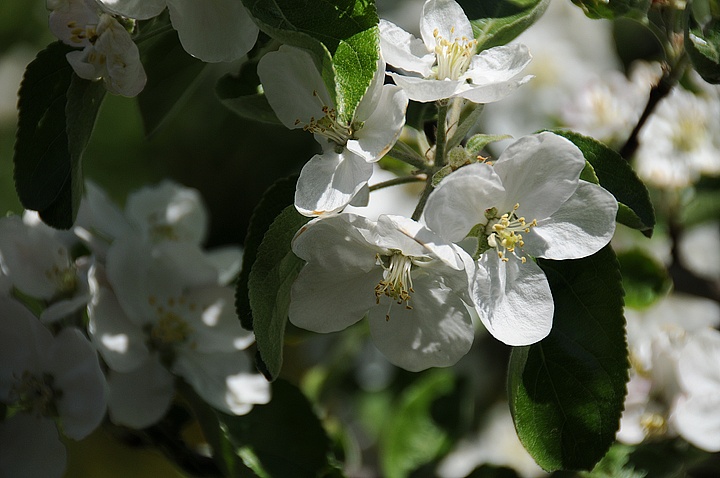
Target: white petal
{"type": "Point", "coordinates": [328, 182]}
{"type": "Point", "coordinates": [137, 9]}
{"type": "Point", "coordinates": [293, 86]}
{"type": "Point", "coordinates": [215, 325]}
{"type": "Point", "coordinates": [513, 300]}
{"type": "Point", "coordinates": [583, 225]}
{"type": "Point", "coordinates": [540, 172]}
{"type": "Point", "coordinates": [337, 285]}
{"type": "Point", "coordinates": [227, 260]}
{"type": "Point", "coordinates": [223, 380]}
{"type": "Point", "coordinates": [69, 16]}
{"type": "Point", "coordinates": [168, 211]}
{"type": "Point", "coordinates": [425, 90]}
{"type": "Point", "coordinates": [698, 421]}
{"type": "Point", "coordinates": [697, 366]}
{"type": "Point", "coordinates": [140, 398]}
{"type": "Point", "coordinates": [383, 127]}
{"type": "Point", "coordinates": [31, 448]}
{"type": "Point", "coordinates": [448, 18]}
{"type": "Point", "coordinates": [104, 216]}
{"type": "Point", "coordinates": [498, 64]}
{"type": "Point", "coordinates": [459, 202]}
{"type": "Point", "coordinates": [402, 50]}
{"type": "Point", "coordinates": [436, 332]}
{"type": "Point", "coordinates": [75, 368]}
{"type": "Point", "coordinates": [213, 30]}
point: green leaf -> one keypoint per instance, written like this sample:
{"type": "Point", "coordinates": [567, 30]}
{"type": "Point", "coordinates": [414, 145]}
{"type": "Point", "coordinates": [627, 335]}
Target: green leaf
{"type": "Point", "coordinates": [567, 391]}
{"type": "Point", "coordinates": [645, 280]}
{"type": "Point", "coordinates": [57, 113]}
{"type": "Point", "coordinates": [283, 438]}
{"type": "Point", "coordinates": [667, 458]}
{"type": "Point", "coordinates": [478, 142]}
{"type": "Point", "coordinates": [411, 437]}
{"type": "Point", "coordinates": [614, 8]}
{"type": "Point", "coordinates": [269, 283]}
{"type": "Point", "coordinates": [614, 465]}
{"type": "Point", "coordinates": [171, 72]}
{"type": "Point", "coordinates": [274, 201]}
{"type": "Point", "coordinates": [615, 174]}
{"type": "Point", "coordinates": [496, 22]}
{"type": "Point", "coordinates": [703, 47]}
{"type": "Point", "coordinates": [342, 35]}
{"type": "Point", "coordinates": [239, 93]}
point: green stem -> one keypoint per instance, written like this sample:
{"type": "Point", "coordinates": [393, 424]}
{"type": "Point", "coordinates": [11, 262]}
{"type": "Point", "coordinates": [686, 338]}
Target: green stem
{"type": "Point", "coordinates": [396, 181]}
{"type": "Point", "coordinates": [442, 132]}
{"type": "Point", "coordinates": [423, 198]}
{"type": "Point", "coordinates": [406, 154]}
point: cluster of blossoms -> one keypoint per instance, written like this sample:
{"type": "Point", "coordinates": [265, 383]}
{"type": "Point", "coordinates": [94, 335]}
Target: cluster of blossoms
{"type": "Point", "coordinates": [216, 31]}
{"type": "Point", "coordinates": [472, 251]}
{"type": "Point", "coordinates": [674, 383]}
{"type": "Point", "coordinates": [108, 316]}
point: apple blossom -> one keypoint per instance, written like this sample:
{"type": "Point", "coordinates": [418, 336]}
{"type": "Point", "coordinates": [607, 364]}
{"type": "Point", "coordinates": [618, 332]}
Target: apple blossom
{"type": "Point", "coordinates": [299, 97]}
{"type": "Point", "coordinates": [529, 203]}
{"type": "Point", "coordinates": [211, 30]}
{"type": "Point", "coordinates": [411, 285]}
{"type": "Point", "coordinates": [158, 311]}
{"type": "Point", "coordinates": [445, 63]}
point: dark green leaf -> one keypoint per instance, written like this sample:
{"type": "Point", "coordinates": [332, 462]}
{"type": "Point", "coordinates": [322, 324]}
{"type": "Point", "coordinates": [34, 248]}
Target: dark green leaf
{"type": "Point", "coordinates": [411, 437]}
{"type": "Point", "coordinates": [283, 438]}
{"type": "Point", "coordinates": [57, 112]}
{"type": "Point", "coordinates": [491, 471]}
{"type": "Point", "coordinates": [703, 47]}
{"type": "Point", "coordinates": [567, 391]}
{"type": "Point", "coordinates": [668, 458]}
{"type": "Point", "coordinates": [171, 72]}
{"type": "Point", "coordinates": [645, 280]}
{"type": "Point", "coordinates": [704, 206]}
{"type": "Point", "coordinates": [342, 35]}
{"type": "Point", "coordinates": [496, 22]}
{"type": "Point", "coordinates": [616, 175]}
{"type": "Point", "coordinates": [273, 202]}
{"type": "Point", "coordinates": [269, 283]}
{"type": "Point", "coordinates": [614, 8]}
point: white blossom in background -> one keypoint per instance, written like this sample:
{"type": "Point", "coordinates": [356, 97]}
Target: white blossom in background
{"type": "Point", "coordinates": [445, 63]}
{"type": "Point", "coordinates": [680, 141]}
{"type": "Point", "coordinates": [530, 203]}
{"type": "Point", "coordinates": [44, 379]}
{"type": "Point", "coordinates": [166, 212]}
{"type": "Point", "coordinates": [211, 30]}
{"type": "Point", "coordinates": [411, 285]}
{"type": "Point", "coordinates": [495, 444]}
{"type": "Point", "coordinates": [108, 53]}
{"type": "Point", "coordinates": [298, 95]}
{"type": "Point", "coordinates": [161, 310]}
{"type": "Point", "coordinates": [39, 265]}
{"type": "Point", "coordinates": [662, 377]}
{"type": "Point", "coordinates": [706, 238]}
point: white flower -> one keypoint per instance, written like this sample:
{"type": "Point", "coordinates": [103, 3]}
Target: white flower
{"type": "Point", "coordinates": [211, 30]}
{"type": "Point", "coordinates": [411, 285]}
{"type": "Point", "coordinates": [529, 203]}
{"type": "Point", "coordinates": [44, 377]}
{"type": "Point", "coordinates": [108, 51]}
{"type": "Point", "coordinates": [299, 97]}
{"type": "Point", "coordinates": [444, 63]}
{"type": "Point", "coordinates": [160, 310]}
{"type": "Point", "coordinates": [166, 212]}
{"type": "Point", "coordinates": [39, 265]}
{"type": "Point", "coordinates": [680, 141]}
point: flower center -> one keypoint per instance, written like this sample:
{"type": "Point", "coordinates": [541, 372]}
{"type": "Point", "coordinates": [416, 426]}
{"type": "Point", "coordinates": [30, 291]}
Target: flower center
{"type": "Point", "coordinates": [689, 134]}
{"type": "Point", "coordinates": [654, 424]}
{"type": "Point", "coordinates": [64, 278]}
{"type": "Point", "coordinates": [35, 394]}
{"type": "Point", "coordinates": [453, 57]}
{"type": "Point", "coordinates": [397, 280]}
{"type": "Point", "coordinates": [505, 234]}
{"type": "Point", "coordinates": [328, 126]}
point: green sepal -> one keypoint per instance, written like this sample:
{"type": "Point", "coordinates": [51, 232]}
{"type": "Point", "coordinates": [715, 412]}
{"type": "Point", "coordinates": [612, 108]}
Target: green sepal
{"type": "Point", "coordinates": [171, 72]}
{"type": "Point", "coordinates": [275, 199]}
{"type": "Point", "coordinates": [477, 142]}
{"type": "Point", "coordinates": [613, 173]}
{"type": "Point", "coordinates": [57, 113]}
{"type": "Point", "coordinates": [566, 392]}
{"type": "Point", "coordinates": [269, 283]}
{"type": "Point", "coordinates": [496, 22]}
